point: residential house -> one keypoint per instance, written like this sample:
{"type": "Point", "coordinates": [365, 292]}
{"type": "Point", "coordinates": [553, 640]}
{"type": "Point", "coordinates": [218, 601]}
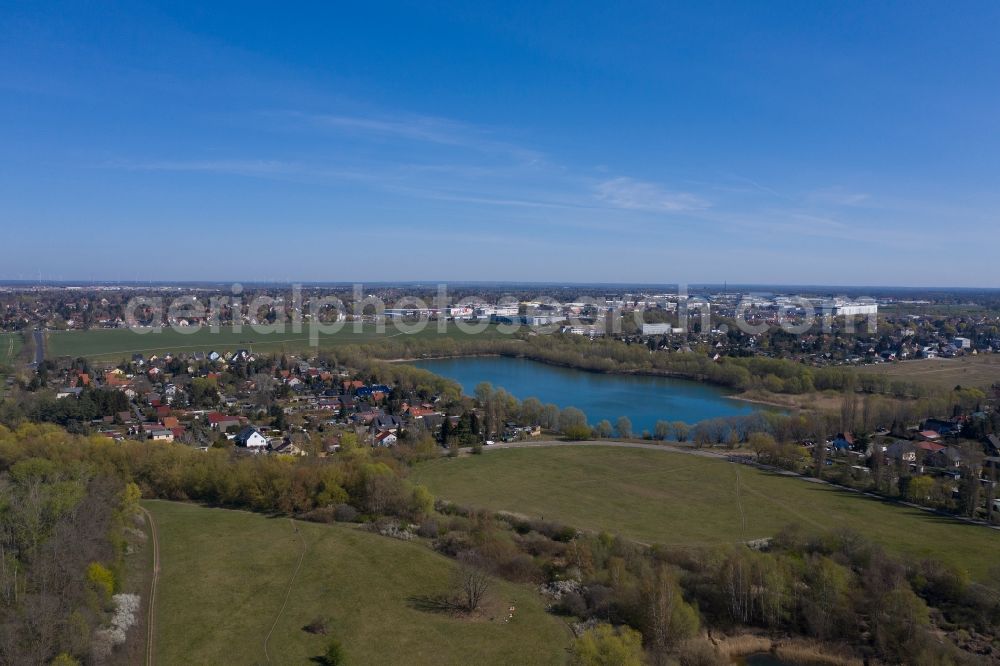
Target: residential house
{"type": "Point", "coordinates": [161, 435]}
{"type": "Point", "coordinates": [251, 438]}
{"type": "Point", "coordinates": [286, 447]}
{"type": "Point", "coordinates": [386, 422]}
{"type": "Point", "coordinates": [385, 438]}
{"type": "Point", "coordinates": [902, 451]}
{"type": "Point", "coordinates": [222, 422]}
{"type": "Point", "coordinates": [992, 444]}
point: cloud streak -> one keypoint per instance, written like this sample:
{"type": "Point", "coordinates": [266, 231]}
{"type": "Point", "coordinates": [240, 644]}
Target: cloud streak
{"type": "Point", "coordinates": [421, 129]}
{"type": "Point", "coordinates": [631, 194]}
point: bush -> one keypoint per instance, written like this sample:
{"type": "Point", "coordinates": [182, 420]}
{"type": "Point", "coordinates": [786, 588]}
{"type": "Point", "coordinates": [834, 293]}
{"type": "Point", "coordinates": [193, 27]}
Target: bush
{"type": "Point", "coordinates": [324, 514]}
{"type": "Point", "coordinates": [428, 529]}
{"type": "Point", "coordinates": [318, 626]}
{"type": "Point", "coordinates": [521, 568]}
{"type": "Point", "coordinates": [605, 645]}
{"type": "Point", "coordinates": [334, 655]}
{"type": "Point", "coordinates": [577, 432]}
{"type": "Point", "coordinates": [345, 513]}
{"type": "Point", "coordinates": [699, 652]}
{"type": "Point", "coordinates": [571, 603]}
{"type": "Point", "coordinates": [453, 543]}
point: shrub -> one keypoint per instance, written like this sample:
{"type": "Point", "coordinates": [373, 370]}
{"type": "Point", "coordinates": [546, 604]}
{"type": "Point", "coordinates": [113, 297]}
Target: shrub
{"type": "Point", "coordinates": [318, 626]}
{"type": "Point", "coordinates": [102, 579]}
{"type": "Point", "coordinates": [428, 529]}
{"type": "Point", "coordinates": [571, 603]}
{"type": "Point", "coordinates": [604, 645]}
{"type": "Point", "coordinates": [345, 513]}
{"type": "Point", "coordinates": [334, 655]}
{"type": "Point", "coordinates": [699, 652]}
{"type": "Point", "coordinates": [577, 432]}
{"type": "Point", "coordinates": [521, 568]}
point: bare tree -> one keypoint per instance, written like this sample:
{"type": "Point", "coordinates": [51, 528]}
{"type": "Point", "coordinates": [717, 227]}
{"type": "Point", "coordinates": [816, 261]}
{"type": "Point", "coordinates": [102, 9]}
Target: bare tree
{"type": "Point", "coordinates": [473, 582]}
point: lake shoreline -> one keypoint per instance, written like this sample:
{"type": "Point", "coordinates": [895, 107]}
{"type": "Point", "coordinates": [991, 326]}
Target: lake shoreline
{"type": "Point", "coordinates": [645, 398]}
{"type": "Point", "coordinates": [742, 396]}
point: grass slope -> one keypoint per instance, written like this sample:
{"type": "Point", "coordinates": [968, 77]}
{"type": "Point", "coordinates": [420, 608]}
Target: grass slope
{"type": "Point", "coordinates": [10, 347]}
{"type": "Point", "coordinates": [981, 370]}
{"type": "Point", "coordinates": [224, 575]}
{"type": "Point", "coordinates": [679, 499]}
{"type": "Point", "coordinates": [116, 344]}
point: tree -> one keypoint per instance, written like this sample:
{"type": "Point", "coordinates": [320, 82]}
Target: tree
{"type": "Point", "coordinates": [623, 426]}
{"type": "Point", "coordinates": [762, 444]}
{"type": "Point", "coordinates": [473, 582]}
{"type": "Point", "coordinates": [603, 429]}
{"type": "Point", "coordinates": [681, 430]}
{"type": "Point", "coordinates": [666, 617]}
{"type": "Point", "coordinates": [531, 411]}
{"type": "Point", "coordinates": [550, 416]}
{"type": "Point", "coordinates": [605, 646]}
{"type": "Point", "coordinates": [919, 489]}
{"type": "Point", "coordinates": [571, 417]}
{"type": "Point", "coordinates": [445, 432]}
{"type": "Point", "coordinates": [334, 655]}
{"type": "Point", "coordinates": [661, 430]}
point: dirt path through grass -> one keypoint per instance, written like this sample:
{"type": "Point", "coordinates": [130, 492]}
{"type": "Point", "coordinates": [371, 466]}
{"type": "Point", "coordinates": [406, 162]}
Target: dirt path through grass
{"type": "Point", "coordinates": [152, 585]}
{"type": "Point", "coordinates": [288, 590]}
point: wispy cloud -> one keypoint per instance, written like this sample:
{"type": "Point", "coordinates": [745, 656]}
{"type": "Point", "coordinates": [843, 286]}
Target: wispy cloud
{"type": "Point", "coordinates": [424, 129]}
{"type": "Point", "coordinates": [259, 168]}
{"type": "Point", "coordinates": [633, 194]}
{"type": "Point", "coordinates": [838, 196]}
{"type": "Point", "coordinates": [251, 167]}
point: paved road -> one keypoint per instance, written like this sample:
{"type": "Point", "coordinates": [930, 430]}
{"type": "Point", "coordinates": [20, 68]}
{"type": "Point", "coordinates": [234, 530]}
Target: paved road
{"type": "Point", "coordinates": [39, 346]}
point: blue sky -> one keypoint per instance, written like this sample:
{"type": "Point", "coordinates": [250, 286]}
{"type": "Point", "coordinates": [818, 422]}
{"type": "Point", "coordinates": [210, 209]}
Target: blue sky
{"type": "Point", "coordinates": [839, 143]}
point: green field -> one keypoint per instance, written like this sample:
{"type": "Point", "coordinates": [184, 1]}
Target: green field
{"type": "Point", "coordinates": [224, 576]}
{"type": "Point", "coordinates": [674, 498]}
{"type": "Point", "coordinates": [10, 347]}
{"type": "Point", "coordinates": [982, 370]}
{"type": "Point", "coordinates": [116, 344]}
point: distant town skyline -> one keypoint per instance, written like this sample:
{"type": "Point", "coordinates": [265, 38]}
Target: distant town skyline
{"type": "Point", "coordinates": [777, 143]}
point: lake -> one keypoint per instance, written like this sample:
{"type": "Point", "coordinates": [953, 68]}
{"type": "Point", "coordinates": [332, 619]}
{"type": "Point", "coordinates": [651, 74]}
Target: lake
{"type": "Point", "coordinates": [645, 400]}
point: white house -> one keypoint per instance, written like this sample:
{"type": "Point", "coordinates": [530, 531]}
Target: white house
{"type": "Point", "coordinates": [385, 439]}
{"type": "Point", "coordinates": [250, 438]}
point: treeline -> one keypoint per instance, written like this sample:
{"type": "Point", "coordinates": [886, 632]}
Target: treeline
{"type": "Point", "coordinates": [837, 588]}
{"type": "Point", "coordinates": [73, 413]}
{"type": "Point", "coordinates": [407, 378]}
{"type": "Point", "coordinates": [371, 482]}
{"type": "Point", "coordinates": [61, 548]}
{"type": "Point", "coordinates": [614, 356]}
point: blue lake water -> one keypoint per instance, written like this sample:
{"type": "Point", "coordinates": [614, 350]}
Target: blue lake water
{"type": "Point", "coordinates": [645, 400]}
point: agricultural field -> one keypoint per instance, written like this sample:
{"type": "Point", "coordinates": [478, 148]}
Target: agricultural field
{"type": "Point", "coordinates": [670, 498]}
{"type": "Point", "coordinates": [225, 575]}
{"type": "Point", "coordinates": [981, 371]}
{"type": "Point", "coordinates": [10, 347]}
{"type": "Point", "coordinates": [113, 345]}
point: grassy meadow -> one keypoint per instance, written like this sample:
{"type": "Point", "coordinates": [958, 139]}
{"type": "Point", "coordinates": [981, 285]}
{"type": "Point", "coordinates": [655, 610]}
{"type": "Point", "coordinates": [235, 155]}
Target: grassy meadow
{"type": "Point", "coordinates": [113, 345]}
{"type": "Point", "coordinates": [224, 576]}
{"type": "Point", "coordinates": [673, 498]}
{"type": "Point", "coordinates": [981, 371]}
{"type": "Point", "coordinates": [10, 347]}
